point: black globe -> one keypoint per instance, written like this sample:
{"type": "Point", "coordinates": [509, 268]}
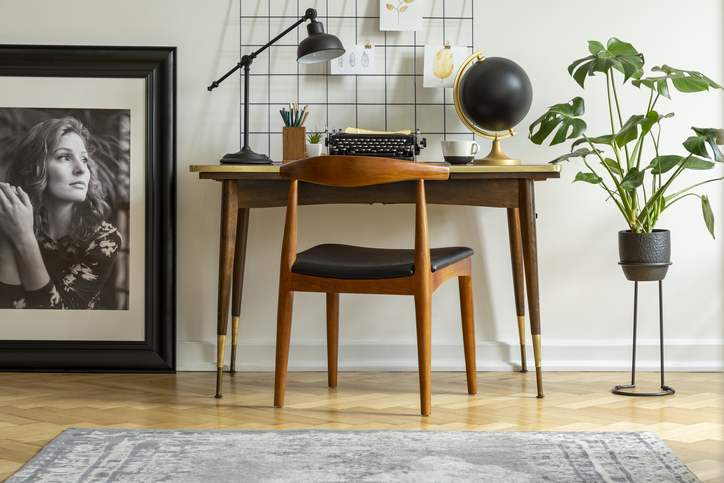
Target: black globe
{"type": "Point", "coordinates": [495, 94]}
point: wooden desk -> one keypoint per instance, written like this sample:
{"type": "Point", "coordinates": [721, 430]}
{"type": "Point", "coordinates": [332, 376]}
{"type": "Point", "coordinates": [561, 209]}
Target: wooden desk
{"type": "Point", "coordinates": [511, 187]}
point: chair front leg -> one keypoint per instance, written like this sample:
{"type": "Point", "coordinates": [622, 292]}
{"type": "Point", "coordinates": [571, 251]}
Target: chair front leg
{"type": "Point", "coordinates": [465, 284]}
{"type": "Point", "coordinates": [332, 337]}
{"type": "Point", "coordinates": [284, 330]}
{"type": "Point", "coordinates": [423, 316]}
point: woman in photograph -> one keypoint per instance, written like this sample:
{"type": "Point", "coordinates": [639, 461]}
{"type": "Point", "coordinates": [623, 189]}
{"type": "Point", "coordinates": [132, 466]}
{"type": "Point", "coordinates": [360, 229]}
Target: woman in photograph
{"type": "Point", "coordinates": [56, 249]}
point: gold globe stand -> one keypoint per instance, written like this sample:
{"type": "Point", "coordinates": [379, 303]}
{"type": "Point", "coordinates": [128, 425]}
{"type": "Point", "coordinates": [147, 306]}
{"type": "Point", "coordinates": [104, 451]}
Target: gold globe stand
{"type": "Point", "coordinates": [496, 157]}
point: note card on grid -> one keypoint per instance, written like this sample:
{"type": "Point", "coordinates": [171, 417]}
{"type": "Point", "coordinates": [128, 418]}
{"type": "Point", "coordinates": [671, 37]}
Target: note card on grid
{"type": "Point", "coordinates": [442, 64]}
{"type": "Point", "coordinates": [401, 15]}
{"type": "Point", "coordinates": [357, 60]}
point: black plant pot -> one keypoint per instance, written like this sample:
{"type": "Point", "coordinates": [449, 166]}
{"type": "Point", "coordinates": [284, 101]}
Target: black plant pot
{"type": "Point", "coordinates": [645, 257]}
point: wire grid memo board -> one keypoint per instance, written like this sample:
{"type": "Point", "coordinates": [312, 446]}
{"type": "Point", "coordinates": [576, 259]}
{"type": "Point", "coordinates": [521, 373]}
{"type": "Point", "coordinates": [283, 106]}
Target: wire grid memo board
{"type": "Point", "coordinates": [391, 99]}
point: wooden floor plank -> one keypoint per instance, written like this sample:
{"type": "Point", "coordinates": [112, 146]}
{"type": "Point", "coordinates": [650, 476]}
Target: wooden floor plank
{"type": "Point", "coordinates": [35, 408]}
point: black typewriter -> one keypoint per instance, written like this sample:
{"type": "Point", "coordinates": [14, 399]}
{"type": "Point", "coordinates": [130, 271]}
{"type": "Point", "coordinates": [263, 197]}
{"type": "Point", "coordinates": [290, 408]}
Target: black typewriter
{"type": "Point", "coordinates": [381, 145]}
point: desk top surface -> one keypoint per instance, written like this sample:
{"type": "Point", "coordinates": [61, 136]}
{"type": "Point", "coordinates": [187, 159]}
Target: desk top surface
{"type": "Point", "coordinates": [274, 168]}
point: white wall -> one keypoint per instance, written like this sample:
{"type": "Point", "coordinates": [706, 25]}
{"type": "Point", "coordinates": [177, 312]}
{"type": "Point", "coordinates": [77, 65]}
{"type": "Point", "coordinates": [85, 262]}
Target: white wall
{"type": "Point", "coordinates": [586, 303]}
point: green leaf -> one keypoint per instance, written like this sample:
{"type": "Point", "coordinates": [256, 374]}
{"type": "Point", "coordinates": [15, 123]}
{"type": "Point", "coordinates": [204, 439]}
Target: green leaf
{"type": "Point", "coordinates": [629, 131]}
{"type": "Point", "coordinates": [605, 139]}
{"type": "Point", "coordinates": [662, 87]}
{"type": "Point", "coordinates": [594, 47]}
{"type": "Point", "coordinates": [657, 84]}
{"type": "Point", "coordinates": [618, 55]}
{"type": "Point", "coordinates": [671, 161]}
{"type": "Point", "coordinates": [652, 117]}
{"type": "Point", "coordinates": [696, 145]}
{"type": "Point", "coordinates": [613, 166]}
{"type": "Point", "coordinates": [587, 177]}
{"type": "Point", "coordinates": [578, 153]}
{"type": "Point", "coordinates": [618, 47]}
{"type": "Point", "coordinates": [628, 60]}
{"type": "Point", "coordinates": [665, 163]}
{"type": "Point", "coordinates": [687, 80]}
{"type": "Point", "coordinates": [561, 117]}
{"type": "Point", "coordinates": [633, 179]}
{"type": "Point", "coordinates": [712, 137]}
{"type": "Point", "coordinates": [708, 215]}
{"type": "Point", "coordinates": [577, 62]}
{"type": "Point", "coordinates": [682, 80]}
{"type": "Point", "coordinates": [698, 163]}
{"type": "Point", "coordinates": [580, 75]}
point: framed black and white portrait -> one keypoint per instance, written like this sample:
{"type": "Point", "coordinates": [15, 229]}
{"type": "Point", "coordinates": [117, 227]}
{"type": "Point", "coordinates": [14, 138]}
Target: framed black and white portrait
{"type": "Point", "coordinates": [87, 159]}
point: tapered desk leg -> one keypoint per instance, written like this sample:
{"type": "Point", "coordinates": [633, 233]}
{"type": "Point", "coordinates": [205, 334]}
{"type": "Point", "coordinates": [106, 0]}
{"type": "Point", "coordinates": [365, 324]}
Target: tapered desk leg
{"type": "Point", "coordinates": [526, 205]}
{"type": "Point", "coordinates": [242, 229]}
{"type": "Point", "coordinates": [229, 214]}
{"type": "Point", "coordinates": [516, 259]}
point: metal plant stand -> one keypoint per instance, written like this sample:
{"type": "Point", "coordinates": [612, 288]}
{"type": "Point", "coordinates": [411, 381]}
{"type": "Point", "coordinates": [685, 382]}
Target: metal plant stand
{"type": "Point", "coordinates": [665, 390]}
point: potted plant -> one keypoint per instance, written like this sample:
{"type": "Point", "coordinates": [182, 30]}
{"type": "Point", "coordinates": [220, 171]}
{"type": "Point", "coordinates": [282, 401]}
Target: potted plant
{"type": "Point", "coordinates": [626, 162]}
{"type": "Point", "coordinates": [314, 142]}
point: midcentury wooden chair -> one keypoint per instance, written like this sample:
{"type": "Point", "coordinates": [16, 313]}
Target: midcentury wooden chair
{"type": "Point", "coordinates": [335, 269]}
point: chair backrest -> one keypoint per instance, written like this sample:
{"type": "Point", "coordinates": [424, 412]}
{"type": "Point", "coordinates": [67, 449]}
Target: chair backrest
{"type": "Point", "coordinates": [350, 171]}
{"type": "Point", "coordinates": [353, 171]}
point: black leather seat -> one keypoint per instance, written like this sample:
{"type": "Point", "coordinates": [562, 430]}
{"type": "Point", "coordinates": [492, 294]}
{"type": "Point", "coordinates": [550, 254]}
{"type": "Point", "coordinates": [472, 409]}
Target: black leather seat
{"type": "Point", "coordinates": [362, 263]}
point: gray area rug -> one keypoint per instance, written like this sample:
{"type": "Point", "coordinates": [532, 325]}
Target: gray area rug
{"type": "Point", "coordinates": [126, 455]}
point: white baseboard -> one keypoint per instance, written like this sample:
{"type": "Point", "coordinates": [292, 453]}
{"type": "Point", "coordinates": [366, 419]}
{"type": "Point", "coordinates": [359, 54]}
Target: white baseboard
{"type": "Point", "coordinates": [679, 356]}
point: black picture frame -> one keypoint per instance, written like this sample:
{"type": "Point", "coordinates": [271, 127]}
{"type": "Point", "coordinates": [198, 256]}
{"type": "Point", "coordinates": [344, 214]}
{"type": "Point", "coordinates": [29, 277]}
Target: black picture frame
{"type": "Point", "coordinates": [157, 66]}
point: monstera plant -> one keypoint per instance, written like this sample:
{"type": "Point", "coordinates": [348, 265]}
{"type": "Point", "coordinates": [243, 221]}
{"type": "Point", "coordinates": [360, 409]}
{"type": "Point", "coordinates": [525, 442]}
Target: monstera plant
{"type": "Point", "coordinates": [627, 161]}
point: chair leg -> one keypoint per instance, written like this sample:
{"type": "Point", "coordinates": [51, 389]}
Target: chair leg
{"type": "Point", "coordinates": [466, 308]}
{"type": "Point", "coordinates": [332, 337]}
{"type": "Point", "coordinates": [284, 330]}
{"type": "Point", "coordinates": [423, 316]}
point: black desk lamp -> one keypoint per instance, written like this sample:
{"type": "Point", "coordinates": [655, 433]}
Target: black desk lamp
{"type": "Point", "coordinates": [318, 47]}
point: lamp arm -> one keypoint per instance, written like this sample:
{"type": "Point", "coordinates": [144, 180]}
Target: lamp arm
{"type": "Point", "coordinates": [246, 60]}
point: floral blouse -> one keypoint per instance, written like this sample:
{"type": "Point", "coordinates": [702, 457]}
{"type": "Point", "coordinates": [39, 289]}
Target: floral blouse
{"type": "Point", "coordinates": [77, 273]}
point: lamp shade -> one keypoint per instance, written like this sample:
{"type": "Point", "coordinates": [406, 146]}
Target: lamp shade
{"type": "Point", "coordinates": [318, 46]}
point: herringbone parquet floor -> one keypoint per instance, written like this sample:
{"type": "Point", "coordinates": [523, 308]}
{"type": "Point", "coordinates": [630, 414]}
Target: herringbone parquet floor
{"type": "Point", "coordinates": [35, 408]}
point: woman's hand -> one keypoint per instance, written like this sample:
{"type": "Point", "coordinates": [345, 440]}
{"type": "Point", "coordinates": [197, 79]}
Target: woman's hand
{"type": "Point", "coordinates": [16, 215]}
{"type": "Point", "coordinates": [16, 221]}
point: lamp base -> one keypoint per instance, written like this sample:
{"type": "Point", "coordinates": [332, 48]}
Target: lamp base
{"type": "Point", "coordinates": [246, 156]}
{"type": "Point", "coordinates": [496, 157]}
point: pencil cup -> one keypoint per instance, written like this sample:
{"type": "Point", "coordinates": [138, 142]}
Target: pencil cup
{"type": "Point", "coordinates": [294, 140]}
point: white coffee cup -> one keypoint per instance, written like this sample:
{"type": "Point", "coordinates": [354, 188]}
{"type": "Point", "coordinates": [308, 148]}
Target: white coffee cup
{"type": "Point", "coordinates": [459, 152]}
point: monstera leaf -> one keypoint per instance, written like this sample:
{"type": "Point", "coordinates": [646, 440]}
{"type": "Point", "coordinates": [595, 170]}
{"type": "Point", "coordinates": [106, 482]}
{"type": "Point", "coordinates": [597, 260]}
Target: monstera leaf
{"type": "Point", "coordinates": [682, 80]}
{"type": "Point", "coordinates": [561, 116]}
{"type": "Point", "coordinates": [620, 55]}
{"type": "Point", "coordinates": [706, 137]}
